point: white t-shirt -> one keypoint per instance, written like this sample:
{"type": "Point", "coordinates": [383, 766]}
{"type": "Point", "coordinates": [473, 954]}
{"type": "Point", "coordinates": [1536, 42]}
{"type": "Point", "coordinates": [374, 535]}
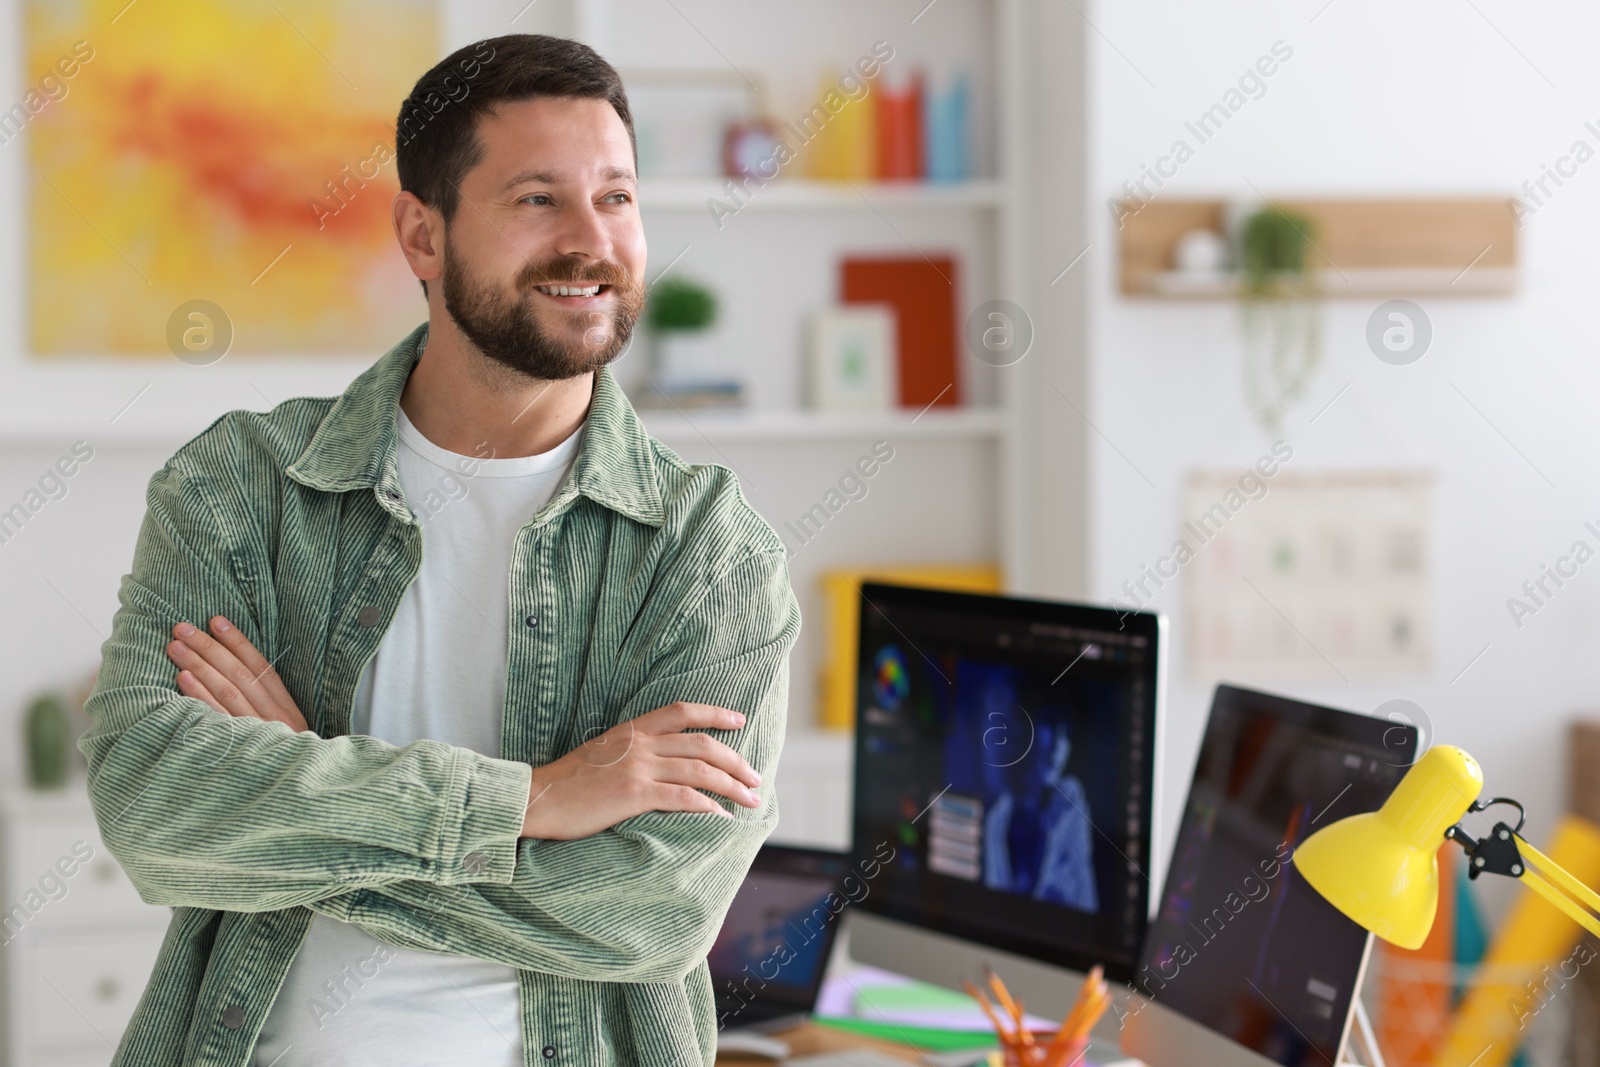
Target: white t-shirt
{"type": "Point", "coordinates": [350, 1000]}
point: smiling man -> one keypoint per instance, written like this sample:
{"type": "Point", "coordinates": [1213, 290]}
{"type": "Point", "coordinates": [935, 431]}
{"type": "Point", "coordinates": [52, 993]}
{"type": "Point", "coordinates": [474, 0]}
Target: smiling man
{"type": "Point", "coordinates": [444, 712]}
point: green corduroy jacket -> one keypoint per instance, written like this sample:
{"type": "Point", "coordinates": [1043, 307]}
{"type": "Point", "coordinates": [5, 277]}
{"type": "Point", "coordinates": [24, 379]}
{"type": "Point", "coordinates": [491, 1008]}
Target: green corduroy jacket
{"type": "Point", "coordinates": [644, 580]}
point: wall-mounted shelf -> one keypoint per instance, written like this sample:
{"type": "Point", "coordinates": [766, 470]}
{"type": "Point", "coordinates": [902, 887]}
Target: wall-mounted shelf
{"type": "Point", "coordinates": [802, 193]}
{"type": "Point", "coordinates": [1363, 248]}
{"type": "Point", "coordinates": [1349, 282]}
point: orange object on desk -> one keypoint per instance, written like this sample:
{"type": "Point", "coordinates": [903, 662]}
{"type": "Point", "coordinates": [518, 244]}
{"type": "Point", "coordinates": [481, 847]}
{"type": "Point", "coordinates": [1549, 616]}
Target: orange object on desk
{"type": "Point", "coordinates": [1415, 986]}
{"type": "Point", "coordinates": [1018, 1045]}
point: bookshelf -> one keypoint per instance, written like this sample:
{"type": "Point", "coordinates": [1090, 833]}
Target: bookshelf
{"type": "Point", "coordinates": [954, 491]}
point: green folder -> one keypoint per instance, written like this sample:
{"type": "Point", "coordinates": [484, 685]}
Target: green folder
{"type": "Point", "coordinates": [923, 1037]}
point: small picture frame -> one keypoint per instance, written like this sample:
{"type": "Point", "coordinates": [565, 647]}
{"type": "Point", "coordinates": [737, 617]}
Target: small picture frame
{"type": "Point", "coordinates": [850, 361]}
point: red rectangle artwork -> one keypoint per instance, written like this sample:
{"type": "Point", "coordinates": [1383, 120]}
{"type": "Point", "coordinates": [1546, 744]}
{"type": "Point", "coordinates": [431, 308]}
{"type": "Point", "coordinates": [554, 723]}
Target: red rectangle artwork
{"type": "Point", "coordinates": [923, 294]}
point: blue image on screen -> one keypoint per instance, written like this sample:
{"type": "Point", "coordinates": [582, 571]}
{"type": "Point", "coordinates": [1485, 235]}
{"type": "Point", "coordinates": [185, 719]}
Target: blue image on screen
{"type": "Point", "coordinates": [1012, 746]}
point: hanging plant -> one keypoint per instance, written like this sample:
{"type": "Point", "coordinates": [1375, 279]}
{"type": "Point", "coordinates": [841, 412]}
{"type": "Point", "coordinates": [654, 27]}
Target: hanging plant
{"type": "Point", "coordinates": [1280, 314]}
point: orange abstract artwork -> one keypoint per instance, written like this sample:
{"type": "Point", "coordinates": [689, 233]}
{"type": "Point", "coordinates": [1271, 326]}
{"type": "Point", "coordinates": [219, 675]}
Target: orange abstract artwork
{"type": "Point", "coordinates": [240, 153]}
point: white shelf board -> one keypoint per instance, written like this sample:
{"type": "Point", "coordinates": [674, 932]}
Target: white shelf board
{"type": "Point", "coordinates": [689, 426]}
{"type": "Point", "coordinates": [1351, 282]}
{"type": "Point", "coordinates": [755, 425]}
{"type": "Point", "coordinates": [802, 193]}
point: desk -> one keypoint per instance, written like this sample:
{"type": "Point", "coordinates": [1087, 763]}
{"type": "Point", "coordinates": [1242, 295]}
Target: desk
{"type": "Point", "coordinates": [809, 1038]}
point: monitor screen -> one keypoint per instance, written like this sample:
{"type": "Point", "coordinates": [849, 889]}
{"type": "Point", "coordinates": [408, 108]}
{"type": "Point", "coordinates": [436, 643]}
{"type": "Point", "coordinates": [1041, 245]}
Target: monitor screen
{"type": "Point", "coordinates": [1004, 763]}
{"type": "Point", "coordinates": [770, 955]}
{"type": "Point", "coordinates": [1241, 943]}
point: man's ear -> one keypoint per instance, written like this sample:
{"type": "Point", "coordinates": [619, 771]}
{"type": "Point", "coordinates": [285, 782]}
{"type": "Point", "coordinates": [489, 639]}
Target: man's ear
{"type": "Point", "coordinates": [419, 229]}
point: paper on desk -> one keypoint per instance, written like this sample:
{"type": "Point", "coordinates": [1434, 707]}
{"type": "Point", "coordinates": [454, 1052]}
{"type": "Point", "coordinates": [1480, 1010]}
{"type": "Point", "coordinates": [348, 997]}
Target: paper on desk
{"type": "Point", "coordinates": [882, 996]}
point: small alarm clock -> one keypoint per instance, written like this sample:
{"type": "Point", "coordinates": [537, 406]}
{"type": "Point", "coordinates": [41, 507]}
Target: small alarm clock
{"type": "Point", "coordinates": [750, 149]}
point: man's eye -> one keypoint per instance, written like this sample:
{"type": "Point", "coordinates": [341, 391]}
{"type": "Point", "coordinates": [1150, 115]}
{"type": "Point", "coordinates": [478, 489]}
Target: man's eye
{"type": "Point", "coordinates": [537, 196]}
{"type": "Point", "coordinates": [625, 197]}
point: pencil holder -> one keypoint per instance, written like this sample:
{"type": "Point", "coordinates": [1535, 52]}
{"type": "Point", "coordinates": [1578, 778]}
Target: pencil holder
{"type": "Point", "coordinates": [1034, 1055]}
{"type": "Point", "coordinates": [1020, 1046]}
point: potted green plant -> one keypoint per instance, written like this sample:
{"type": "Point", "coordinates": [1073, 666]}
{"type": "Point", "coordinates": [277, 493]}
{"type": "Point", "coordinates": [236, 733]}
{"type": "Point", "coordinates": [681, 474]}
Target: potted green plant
{"type": "Point", "coordinates": [47, 726]}
{"type": "Point", "coordinates": [1280, 313]}
{"type": "Point", "coordinates": [680, 314]}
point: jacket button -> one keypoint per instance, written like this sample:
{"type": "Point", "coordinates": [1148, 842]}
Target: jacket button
{"type": "Point", "coordinates": [475, 862]}
{"type": "Point", "coordinates": [233, 1016]}
{"type": "Point", "coordinates": [369, 616]}
{"type": "Point", "coordinates": [532, 621]}
{"type": "Point", "coordinates": [549, 1052]}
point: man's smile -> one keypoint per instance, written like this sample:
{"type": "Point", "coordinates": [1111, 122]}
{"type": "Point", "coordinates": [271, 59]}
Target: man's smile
{"type": "Point", "coordinates": [592, 294]}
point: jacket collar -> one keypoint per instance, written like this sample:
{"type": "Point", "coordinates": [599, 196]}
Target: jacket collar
{"type": "Point", "coordinates": [355, 445]}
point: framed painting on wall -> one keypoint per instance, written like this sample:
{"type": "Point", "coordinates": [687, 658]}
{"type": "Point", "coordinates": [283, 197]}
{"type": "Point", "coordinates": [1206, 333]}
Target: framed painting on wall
{"type": "Point", "coordinates": [1311, 577]}
{"type": "Point", "coordinates": [238, 154]}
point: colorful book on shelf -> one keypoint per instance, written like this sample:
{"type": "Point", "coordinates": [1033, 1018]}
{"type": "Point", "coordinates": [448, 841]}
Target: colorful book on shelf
{"type": "Point", "coordinates": [841, 592]}
{"type": "Point", "coordinates": [923, 292]}
{"type": "Point", "coordinates": [899, 129]}
{"type": "Point", "coordinates": [844, 145]}
{"type": "Point", "coordinates": [944, 131]}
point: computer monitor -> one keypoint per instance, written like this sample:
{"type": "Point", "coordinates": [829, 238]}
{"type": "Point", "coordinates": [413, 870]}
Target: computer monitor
{"type": "Point", "coordinates": [1005, 770]}
{"type": "Point", "coordinates": [1245, 963]}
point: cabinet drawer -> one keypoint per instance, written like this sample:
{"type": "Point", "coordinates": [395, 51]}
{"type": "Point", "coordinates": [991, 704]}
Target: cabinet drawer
{"type": "Point", "coordinates": [78, 993]}
{"type": "Point", "coordinates": [85, 1057]}
{"type": "Point", "coordinates": [42, 854]}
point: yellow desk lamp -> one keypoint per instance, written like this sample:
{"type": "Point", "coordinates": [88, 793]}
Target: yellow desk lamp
{"type": "Point", "coordinates": [1382, 868]}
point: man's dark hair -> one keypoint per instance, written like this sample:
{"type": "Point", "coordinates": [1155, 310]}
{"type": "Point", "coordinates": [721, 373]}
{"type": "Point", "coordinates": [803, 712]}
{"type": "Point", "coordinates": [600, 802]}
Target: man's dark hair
{"type": "Point", "coordinates": [436, 135]}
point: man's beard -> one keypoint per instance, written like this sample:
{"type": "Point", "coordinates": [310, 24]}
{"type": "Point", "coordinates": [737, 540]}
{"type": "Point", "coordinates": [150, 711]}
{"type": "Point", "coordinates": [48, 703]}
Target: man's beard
{"type": "Point", "coordinates": [507, 330]}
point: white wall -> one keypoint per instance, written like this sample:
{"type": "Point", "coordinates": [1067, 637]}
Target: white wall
{"type": "Point", "coordinates": [1422, 98]}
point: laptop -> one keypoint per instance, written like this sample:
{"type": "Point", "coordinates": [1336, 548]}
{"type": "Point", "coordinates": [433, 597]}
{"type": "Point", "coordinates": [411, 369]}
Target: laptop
{"type": "Point", "coordinates": [770, 956]}
{"type": "Point", "coordinates": [1244, 964]}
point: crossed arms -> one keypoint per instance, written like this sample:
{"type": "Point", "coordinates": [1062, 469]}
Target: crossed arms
{"type": "Point", "coordinates": [424, 845]}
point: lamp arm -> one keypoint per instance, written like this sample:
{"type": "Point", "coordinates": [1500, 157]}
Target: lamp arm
{"type": "Point", "coordinates": [1555, 873]}
{"type": "Point", "coordinates": [1538, 884]}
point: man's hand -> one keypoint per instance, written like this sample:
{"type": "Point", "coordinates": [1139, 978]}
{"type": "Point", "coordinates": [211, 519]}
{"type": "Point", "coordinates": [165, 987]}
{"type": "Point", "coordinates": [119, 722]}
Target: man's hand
{"type": "Point", "coordinates": [227, 672]}
{"type": "Point", "coordinates": [644, 764]}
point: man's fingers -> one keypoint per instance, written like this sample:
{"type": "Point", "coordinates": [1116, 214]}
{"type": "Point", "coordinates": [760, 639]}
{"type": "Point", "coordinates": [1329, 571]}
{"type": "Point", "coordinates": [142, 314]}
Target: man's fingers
{"type": "Point", "coordinates": [261, 672]}
{"type": "Point", "coordinates": [686, 798]}
{"type": "Point", "coordinates": [701, 775]}
{"type": "Point", "coordinates": [222, 691]}
{"type": "Point", "coordinates": [189, 686]}
{"type": "Point", "coordinates": [215, 665]}
{"type": "Point", "coordinates": [712, 751]}
{"type": "Point", "coordinates": [683, 715]}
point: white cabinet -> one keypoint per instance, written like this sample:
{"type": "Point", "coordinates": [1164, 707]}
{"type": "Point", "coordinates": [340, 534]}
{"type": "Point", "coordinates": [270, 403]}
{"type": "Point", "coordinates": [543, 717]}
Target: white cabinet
{"type": "Point", "coordinates": [815, 782]}
{"type": "Point", "coordinates": [76, 943]}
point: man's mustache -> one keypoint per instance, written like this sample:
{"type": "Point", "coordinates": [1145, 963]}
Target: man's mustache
{"type": "Point", "coordinates": [604, 273]}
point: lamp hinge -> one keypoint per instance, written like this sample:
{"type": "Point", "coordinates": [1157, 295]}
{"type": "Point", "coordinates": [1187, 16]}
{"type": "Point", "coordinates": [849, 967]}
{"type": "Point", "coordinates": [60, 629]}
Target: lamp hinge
{"type": "Point", "coordinates": [1496, 853]}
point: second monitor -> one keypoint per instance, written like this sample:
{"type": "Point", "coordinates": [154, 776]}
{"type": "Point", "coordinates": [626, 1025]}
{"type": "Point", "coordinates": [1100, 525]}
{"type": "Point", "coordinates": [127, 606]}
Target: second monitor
{"type": "Point", "coordinates": [1005, 762]}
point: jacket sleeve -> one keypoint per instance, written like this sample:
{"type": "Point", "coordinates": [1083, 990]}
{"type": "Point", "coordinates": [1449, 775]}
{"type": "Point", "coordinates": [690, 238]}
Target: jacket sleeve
{"type": "Point", "coordinates": [207, 810]}
{"type": "Point", "coordinates": [643, 900]}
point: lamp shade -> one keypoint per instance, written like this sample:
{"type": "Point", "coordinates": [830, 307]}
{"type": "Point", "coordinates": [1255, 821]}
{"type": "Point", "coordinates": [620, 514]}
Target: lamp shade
{"type": "Point", "coordinates": [1382, 868]}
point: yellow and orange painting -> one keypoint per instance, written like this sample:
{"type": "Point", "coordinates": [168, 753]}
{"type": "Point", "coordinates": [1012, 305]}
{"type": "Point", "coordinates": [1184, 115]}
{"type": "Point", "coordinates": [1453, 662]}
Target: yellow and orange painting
{"type": "Point", "coordinates": [234, 151]}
